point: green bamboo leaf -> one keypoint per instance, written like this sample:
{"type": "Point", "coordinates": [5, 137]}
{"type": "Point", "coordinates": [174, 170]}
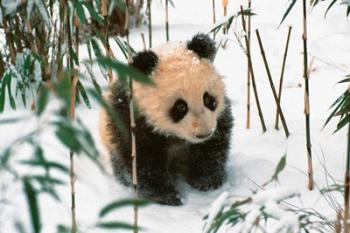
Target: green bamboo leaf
{"type": "Point", "coordinates": [123, 203]}
{"type": "Point", "coordinates": [112, 113]}
{"type": "Point", "coordinates": [83, 94]}
{"type": "Point", "coordinates": [19, 227]}
{"type": "Point", "coordinates": [63, 229]}
{"type": "Point", "coordinates": [280, 167]}
{"type": "Point", "coordinates": [32, 201]}
{"type": "Point", "coordinates": [94, 14]}
{"type": "Point", "coordinates": [291, 5]}
{"type": "Point", "coordinates": [124, 70]}
{"type": "Point", "coordinates": [11, 120]}
{"type": "Point", "coordinates": [329, 7]}
{"type": "Point", "coordinates": [50, 165]}
{"type": "Point", "coordinates": [3, 92]}
{"type": "Point", "coordinates": [96, 47]}
{"type": "Point", "coordinates": [42, 100]}
{"type": "Point", "coordinates": [80, 11]}
{"type": "Point", "coordinates": [342, 123]}
{"type": "Point", "coordinates": [115, 225]}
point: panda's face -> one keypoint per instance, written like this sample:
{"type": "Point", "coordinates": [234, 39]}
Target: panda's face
{"type": "Point", "coordinates": [195, 120]}
{"type": "Point", "coordinates": [187, 98]}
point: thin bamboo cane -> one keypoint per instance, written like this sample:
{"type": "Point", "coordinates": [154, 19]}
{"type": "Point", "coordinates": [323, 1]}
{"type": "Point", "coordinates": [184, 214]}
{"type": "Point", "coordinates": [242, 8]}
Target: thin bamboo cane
{"type": "Point", "coordinates": [280, 112]}
{"type": "Point", "coordinates": [248, 70]}
{"type": "Point", "coordinates": [167, 19]}
{"type": "Point", "coordinates": [261, 116]}
{"type": "Point", "coordinates": [132, 128]}
{"type": "Point", "coordinates": [214, 15]}
{"type": "Point", "coordinates": [307, 101]}
{"type": "Point", "coordinates": [149, 13]}
{"type": "Point", "coordinates": [347, 187]}
{"type": "Point", "coordinates": [74, 81]}
{"type": "Point", "coordinates": [282, 74]}
{"type": "Point", "coordinates": [224, 4]}
{"type": "Point", "coordinates": [143, 41]}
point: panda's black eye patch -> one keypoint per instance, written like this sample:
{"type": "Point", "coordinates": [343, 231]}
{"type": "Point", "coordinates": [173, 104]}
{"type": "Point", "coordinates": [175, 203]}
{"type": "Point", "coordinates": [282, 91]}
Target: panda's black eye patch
{"type": "Point", "coordinates": [209, 101]}
{"type": "Point", "coordinates": [179, 110]}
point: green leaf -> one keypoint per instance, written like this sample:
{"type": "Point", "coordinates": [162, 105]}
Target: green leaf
{"type": "Point", "coordinates": [329, 7]}
{"type": "Point", "coordinates": [96, 47]}
{"type": "Point", "coordinates": [343, 122]}
{"type": "Point", "coordinates": [42, 100]}
{"type": "Point", "coordinates": [94, 14]}
{"type": "Point", "coordinates": [124, 70]}
{"type": "Point", "coordinates": [112, 113]}
{"type": "Point", "coordinates": [53, 165]}
{"type": "Point", "coordinates": [288, 10]}
{"type": "Point", "coordinates": [115, 225]}
{"type": "Point", "coordinates": [19, 227]}
{"type": "Point", "coordinates": [80, 11]}
{"type": "Point", "coordinates": [63, 229]}
{"type": "Point", "coordinates": [32, 201]}
{"type": "Point", "coordinates": [83, 94]}
{"type": "Point", "coordinates": [3, 92]}
{"type": "Point", "coordinates": [123, 203]}
{"type": "Point", "coordinates": [280, 167]}
{"type": "Point", "coordinates": [11, 120]}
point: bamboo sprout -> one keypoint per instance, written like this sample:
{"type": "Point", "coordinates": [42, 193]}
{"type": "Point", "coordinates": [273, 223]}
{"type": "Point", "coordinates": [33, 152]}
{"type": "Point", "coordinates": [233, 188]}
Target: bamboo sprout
{"type": "Point", "coordinates": [167, 19]}
{"type": "Point", "coordinates": [74, 81]}
{"type": "Point", "coordinates": [149, 13]}
{"type": "Point", "coordinates": [280, 112]}
{"type": "Point", "coordinates": [261, 116]}
{"type": "Point", "coordinates": [248, 70]}
{"type": "Point", "coordinates": [282, 74]}
{"type": "Point", "coordinates": [307, 101]}
{"type": "Point", "coordinates": [132, 128]}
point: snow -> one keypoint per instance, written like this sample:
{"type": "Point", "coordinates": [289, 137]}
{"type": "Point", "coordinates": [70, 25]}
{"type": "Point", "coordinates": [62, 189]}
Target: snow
{"type": "Point", "coordinates": [215, 209]}
{"type": "Point", "coordinates": [254, 155]}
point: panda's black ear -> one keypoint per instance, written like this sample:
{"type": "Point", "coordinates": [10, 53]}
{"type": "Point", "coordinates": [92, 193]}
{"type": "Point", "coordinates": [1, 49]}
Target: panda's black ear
{"type": "Point", "coordinates": [145, 61]}
{"type": "Point", "coordinates": [203, 46]}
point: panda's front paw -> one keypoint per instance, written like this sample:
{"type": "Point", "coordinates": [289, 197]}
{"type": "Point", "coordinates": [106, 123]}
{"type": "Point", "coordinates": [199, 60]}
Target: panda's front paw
{"type": "Point", "coordinates": [206, 183]}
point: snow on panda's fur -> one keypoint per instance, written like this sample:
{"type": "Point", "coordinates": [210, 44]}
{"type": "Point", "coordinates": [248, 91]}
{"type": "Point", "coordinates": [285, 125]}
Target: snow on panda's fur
{"type": "Point", "coordinates": [183, 125]}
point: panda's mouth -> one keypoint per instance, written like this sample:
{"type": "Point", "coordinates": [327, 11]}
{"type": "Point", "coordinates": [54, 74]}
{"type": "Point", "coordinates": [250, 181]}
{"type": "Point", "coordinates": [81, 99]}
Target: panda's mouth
{"type": "Point", "coordinates": [203, 136]}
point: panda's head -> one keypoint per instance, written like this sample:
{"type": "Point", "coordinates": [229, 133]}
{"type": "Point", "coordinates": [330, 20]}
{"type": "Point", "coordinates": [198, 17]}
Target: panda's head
{"type": "Point", "coordinates": [188, 95]}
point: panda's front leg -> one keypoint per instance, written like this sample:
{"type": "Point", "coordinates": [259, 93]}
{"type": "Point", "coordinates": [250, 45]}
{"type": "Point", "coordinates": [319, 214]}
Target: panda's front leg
{"type": "Point", "coordinates": [154, 180]}
{"type": "Point", "coordinates": [207, 160]}
{"type": "Point", "coordinates": [206, 166]}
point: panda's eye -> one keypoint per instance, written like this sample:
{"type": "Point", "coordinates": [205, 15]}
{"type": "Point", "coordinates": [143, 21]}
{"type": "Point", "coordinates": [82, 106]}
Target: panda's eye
{"type": "Point", "coordinates": [179, 110]}
{"type": "Point", "coordinates": [209, 101]}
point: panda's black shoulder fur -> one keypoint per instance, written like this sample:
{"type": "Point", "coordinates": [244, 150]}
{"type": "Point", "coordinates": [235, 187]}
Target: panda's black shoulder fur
{"type": "Point", "coordinates": [203, 46]}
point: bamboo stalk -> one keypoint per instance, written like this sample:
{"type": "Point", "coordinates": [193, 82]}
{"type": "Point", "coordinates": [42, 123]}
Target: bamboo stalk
{"type": "Point", "coordinates": [143, 41]}
{"type": "Point", "coordinates": [74, 82]}
{"type": "Point", "coordinates": [224, 4]}
{"type": "Point", "coordinates": [261, 116]}
{"type": "Point", "coordinates": [167, 19]}
{"type": "Point", "coordinates": [214, 15]}
{"type": "Point", "coordinates": [282, 74]}
{"type": "Point", "coordinates": [248, 70]}
{"type": "Point", "coordinates": [149, 13]}
{"type": "Point", "coordinates": [280, 112]}
{"type": "Point", "coordinates": [347, 187]}
{"type": "Point", "coordinates": [307, 101]}
{"type": "Point", "coordinates": [132, 128]}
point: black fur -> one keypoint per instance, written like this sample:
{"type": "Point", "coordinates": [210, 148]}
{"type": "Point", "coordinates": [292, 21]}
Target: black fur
{"type": "Point", "coordinates": [203, 46]}
{"type": "Point", "coordinates": [145, 61]}
{"type": "Point", "coordinates": [156, 179]}
{"type": "Point", "coordinates": [178, 111]}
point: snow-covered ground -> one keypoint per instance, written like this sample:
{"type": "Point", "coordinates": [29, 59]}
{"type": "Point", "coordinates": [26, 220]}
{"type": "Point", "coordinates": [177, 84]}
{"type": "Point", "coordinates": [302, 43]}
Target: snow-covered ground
{"type": "Point", "coordinates": [254, 155]}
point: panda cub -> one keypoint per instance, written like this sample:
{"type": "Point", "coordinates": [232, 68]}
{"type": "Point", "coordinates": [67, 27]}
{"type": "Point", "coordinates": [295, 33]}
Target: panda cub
{"type": "Point", "coordinates": [183, 122]}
